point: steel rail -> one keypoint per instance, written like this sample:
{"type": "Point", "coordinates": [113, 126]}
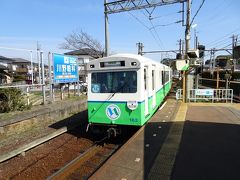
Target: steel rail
{"type": "Point", "coordinates": [35, 143]}
{"type": "Point", "coordinates": [78, 161]}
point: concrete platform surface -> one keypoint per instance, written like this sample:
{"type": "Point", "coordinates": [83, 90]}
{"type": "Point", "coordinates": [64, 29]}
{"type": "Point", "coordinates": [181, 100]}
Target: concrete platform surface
{"type": "Point", "coordinates": [135, 159]}
{"type": "Point", "coordinates": [182, 141]}
{"type": "Point", "coordinates": [210, 145]}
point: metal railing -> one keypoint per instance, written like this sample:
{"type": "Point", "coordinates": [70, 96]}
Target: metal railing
{"type": "Point", "coordinates": [207, 95]}
{"type": "Point", "coordinates": [35, 94]}
{"type": "Point", "coordinates": [26, 89]}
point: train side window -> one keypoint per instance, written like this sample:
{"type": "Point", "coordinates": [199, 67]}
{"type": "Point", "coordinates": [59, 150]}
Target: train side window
{"type": "Point", "coordinates": [153, 79]}
{"type": "Point", "coordinates": [145, 78]}
{"type": "Point", "coordinates": [160, 77]}
{"type": "Point", "coordinates": [163, 77]}
{"type": "Point", "coordinates": [166, 76]}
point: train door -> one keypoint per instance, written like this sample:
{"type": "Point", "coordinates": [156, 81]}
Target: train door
{"type": "Point", "coordinates": [153, 87]}
{"type": "Point", "coordinates": [146, 89]}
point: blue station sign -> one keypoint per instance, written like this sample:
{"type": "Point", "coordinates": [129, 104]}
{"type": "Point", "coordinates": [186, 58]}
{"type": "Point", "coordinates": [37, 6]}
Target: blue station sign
{"type": "Point", "coordinates": [65, 69]}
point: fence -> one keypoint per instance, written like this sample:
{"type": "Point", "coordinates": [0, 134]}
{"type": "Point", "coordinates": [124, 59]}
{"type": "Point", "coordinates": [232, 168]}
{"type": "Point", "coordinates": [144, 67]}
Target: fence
{"type": "Point", "coordinates": [222, 84]}
{"type": "Point", "coordinates": [207, 95]}
{"type": "Point", "coordinates": [34, 69]}
{"type": "Point", "coordinates": [37, 94]}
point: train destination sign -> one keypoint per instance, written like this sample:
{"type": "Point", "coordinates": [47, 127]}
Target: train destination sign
{"type": "Point", "coordinates": [65, 69]}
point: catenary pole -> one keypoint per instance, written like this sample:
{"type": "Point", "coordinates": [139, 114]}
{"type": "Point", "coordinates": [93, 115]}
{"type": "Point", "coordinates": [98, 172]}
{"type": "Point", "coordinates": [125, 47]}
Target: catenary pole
{"type": "Point", "coordinates": [106, 29]}
{"type": "Point", "coordinates": [31, 56]}
{"type": "Point", "coordinates": [50, 76]}
{"type": "Point", "coordinates": [43, 78]}
{"type": "Point", "coordinates": [187, 45]}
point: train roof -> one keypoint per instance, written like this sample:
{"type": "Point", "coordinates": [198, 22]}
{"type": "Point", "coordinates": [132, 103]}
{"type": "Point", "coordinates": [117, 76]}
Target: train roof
{"type": "Point", "coordinates": [140, 59]}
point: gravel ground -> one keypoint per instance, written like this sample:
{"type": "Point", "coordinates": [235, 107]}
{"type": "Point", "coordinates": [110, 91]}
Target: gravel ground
{"type": "Point", "coordinates": [42, 161]}
{"type": "Point", "coordinates": [19, 139]}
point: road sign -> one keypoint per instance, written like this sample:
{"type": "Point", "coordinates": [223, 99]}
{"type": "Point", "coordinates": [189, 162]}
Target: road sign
{"type": "Point", "coordinates": [65, 69]}
{"type": "Point", "coordinates": [204, 92]}
{"type": "Point", "coordinates": [182, 65]}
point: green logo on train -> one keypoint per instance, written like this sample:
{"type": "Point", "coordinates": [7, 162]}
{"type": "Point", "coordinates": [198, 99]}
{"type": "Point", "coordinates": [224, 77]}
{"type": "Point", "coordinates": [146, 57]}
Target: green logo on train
{"type": "Point", "coordinates": [113, 112]}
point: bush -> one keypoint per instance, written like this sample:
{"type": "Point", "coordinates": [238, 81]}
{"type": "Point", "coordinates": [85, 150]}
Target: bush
{"type": "Point", "coordinates": [11, 100]}
{"type": "Point", "coordinates": [18, 78]}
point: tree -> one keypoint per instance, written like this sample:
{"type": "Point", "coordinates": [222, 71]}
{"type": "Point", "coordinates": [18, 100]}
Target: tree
{"type": "Point", "coordinates": [83, 41]}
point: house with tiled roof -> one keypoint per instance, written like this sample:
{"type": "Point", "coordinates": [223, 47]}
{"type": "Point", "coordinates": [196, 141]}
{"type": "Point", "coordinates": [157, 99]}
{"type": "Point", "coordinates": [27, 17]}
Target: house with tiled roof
{"type": "Point", "coordinates": [84, 55]}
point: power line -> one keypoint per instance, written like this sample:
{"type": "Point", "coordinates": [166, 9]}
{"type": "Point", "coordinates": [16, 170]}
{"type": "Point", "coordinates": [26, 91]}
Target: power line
{"type": "Point", "coordinates": [164, 25]}
{"type": "Point", "coordinates": [139, 20]}
{"type": "Point", "coordinates": [219, 13]}
{"type": "Point", "coordinates": [222, 42]}
{"type": "Point", "coordinates": [156, 33]}
{"type": "Point", "coordinates": [229, 45]}
{"type": "Point", "coordinates": [157, 41]}
{"type": "Point", "coordinates": [227, 35]}
{"type": "Point", "coordinates": [197, 12]}
{"type": "Point", "coordinates": [157, 17]}
{"type": "Point", "coordinates": [157, 38]}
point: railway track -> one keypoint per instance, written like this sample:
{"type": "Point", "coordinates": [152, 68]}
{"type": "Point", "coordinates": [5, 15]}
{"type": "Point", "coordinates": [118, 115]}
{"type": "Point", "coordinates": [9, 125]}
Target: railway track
{"type": "Point", "coordinates": [86, 163]}
{"type": "Point", "coordinates": [75, 147]}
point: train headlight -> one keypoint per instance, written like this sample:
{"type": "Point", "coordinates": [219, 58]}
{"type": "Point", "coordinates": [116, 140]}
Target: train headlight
{"type": "Point", "coordinates": [132, 105]}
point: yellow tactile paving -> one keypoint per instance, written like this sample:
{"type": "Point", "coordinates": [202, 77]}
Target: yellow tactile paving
{"type": "Point", "coordinates": [181, 114]}
{"type": "Point", "coordinates": [236, 106]}
{"type": "Point", "coordinates": [164, 162]}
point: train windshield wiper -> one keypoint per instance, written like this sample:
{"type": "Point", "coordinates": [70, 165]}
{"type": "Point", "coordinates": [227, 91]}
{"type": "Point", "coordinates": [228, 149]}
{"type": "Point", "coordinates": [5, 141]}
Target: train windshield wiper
{"type": "Point", "coordinates": [117, 91]}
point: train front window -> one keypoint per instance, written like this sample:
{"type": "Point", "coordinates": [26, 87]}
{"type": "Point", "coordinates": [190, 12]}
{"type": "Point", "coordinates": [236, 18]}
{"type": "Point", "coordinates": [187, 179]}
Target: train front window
{"type": "Point", "coordinates": [114, 82]}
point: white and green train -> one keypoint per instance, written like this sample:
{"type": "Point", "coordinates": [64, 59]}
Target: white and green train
{"type": "Point", "coordinates": [125, 89]}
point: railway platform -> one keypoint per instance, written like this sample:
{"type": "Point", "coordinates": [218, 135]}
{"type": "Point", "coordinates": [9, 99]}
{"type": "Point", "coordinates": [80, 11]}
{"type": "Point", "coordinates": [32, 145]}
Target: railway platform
{"type": "Point", "coordinates": [181, 141]}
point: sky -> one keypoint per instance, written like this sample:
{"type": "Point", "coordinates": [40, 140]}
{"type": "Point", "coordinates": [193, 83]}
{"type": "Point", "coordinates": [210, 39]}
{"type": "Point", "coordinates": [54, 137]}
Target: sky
{"type": "Point", "coordinates": [48, 22]}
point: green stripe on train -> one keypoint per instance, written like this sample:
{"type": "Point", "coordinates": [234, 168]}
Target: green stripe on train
{"type": "Point", "coordinates": [118, 112]}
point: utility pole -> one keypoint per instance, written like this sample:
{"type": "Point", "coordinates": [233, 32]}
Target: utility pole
{"type": "Point", "coordinates": [180, 46]}
{"type": "Point", "coordinates": [195, 39]}
{"type": "Point", "coordinates": [50, 76]}
{"type": "Point", "coordinates": [106, 29]}
{"type": "Point", "coordinates": [187, 31]}
{"type": "Point", "coordinates": [217, 77]}
{"type": "Point", "coordinates": [183, 47]}
{"type": "Point", "coordinates": [32, 76]}
{"type": "Point", "coordinates": [140, 48]}
{"type": "Point", "coordinates": [234, 41]}
{"type": "Point", "coordinates": [187, 45]}
{"type": "Point", "coordinates": [212, 62]}
{"type": "Point", "coordinates": [43, 78]}
{"type": "Point", "coordinates": [38, 59]}
{"type": "Point", "coordinates": [234, 44]}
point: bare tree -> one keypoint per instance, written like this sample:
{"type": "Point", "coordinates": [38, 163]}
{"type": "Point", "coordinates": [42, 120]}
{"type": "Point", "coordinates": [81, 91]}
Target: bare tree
{"type": "Point", "coordinates": [82, 40]}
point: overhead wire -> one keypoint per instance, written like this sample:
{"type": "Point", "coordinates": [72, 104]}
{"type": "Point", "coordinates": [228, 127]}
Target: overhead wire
{"type": "Point", "coordinates": [227, 35]}
{"type": "Point", "coordinates": [163, 25]}
{"type": "Point", "coordinates": [146, 28]}
{"type": "Point", "coordinates": [229, 45]}
{"type": "Point", "coordinates": [138, 20]}
{"type": "Point", "coordinates": [222, 44]}
{"type": "Point", "coordinates": [217, 15]}
{"type": "Point", "coordinates": [223, 41]}
{"type": "Point", "coordinates": [197, 12]}
{"type": "Point", "coordinates": [156, 33]}
{"type": "Point", "coordinates": [153, 27]}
